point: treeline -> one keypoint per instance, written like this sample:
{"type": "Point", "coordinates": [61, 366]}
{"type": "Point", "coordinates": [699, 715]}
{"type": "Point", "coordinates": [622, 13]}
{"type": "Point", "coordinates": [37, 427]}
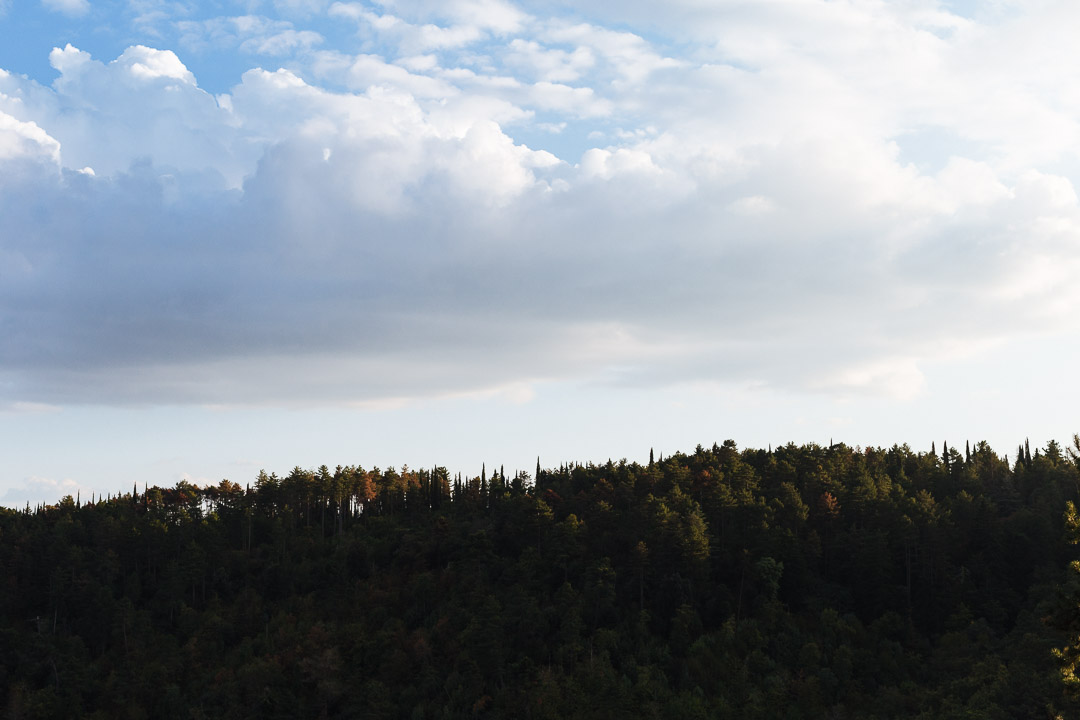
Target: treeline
{"type": "Point", "coordinates": [797, 582]}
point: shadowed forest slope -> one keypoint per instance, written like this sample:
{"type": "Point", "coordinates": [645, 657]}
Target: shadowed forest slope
{"type": "Point", "coordinates": [797, 582]}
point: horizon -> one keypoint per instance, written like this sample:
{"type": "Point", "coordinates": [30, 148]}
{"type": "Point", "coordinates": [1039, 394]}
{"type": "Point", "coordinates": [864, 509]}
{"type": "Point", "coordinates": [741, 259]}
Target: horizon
{"type": "Point", "coordinates": [1071, 454]}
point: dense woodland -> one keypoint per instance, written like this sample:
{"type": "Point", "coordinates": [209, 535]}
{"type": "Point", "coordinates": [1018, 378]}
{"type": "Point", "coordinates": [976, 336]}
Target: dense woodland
{"type": "Point", "coordinates": [797, 582]}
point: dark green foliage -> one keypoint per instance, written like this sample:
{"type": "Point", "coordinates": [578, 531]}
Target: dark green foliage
{"type": "Point", "coordinates": [800, 582]}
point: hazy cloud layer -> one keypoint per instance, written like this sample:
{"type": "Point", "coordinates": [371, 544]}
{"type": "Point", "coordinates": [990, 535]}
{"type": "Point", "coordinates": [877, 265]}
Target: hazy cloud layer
{"type": "Point", "coordinates": [815, 195]}
{"type": "Point", "coordinates": [36, 490]}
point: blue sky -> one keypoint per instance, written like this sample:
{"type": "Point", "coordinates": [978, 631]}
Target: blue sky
{"type": "Point", "coordinates": [259, 234]}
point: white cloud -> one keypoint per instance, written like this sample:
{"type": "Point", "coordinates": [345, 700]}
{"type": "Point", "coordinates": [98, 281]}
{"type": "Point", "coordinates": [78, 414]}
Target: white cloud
{"type": "Point", "coordinates": [75, 8]}
{"type": "Point", "coordinates": [25, 140]}
{"type": "Point", "coordinates": [553, 128]}
{"type": "Point", "coordinates": [899, 378]}
{"type": "Point", "coordinates": [434, 37]}
{"type": "Point", "coordinates": [352, 10]}
{"type": "Point", "coordinates": [69, 60]}
{"type": "Point", "coordinates": [282, 43]}
{"type": "Point", "coordinates": [149, 64]}
{"type": "Point", "coordinates": [363, 71]}
{"type": "Point", "coordinates": [144, 104]}
{"type": "Point", "coordinates": [411, 38]}
{"type": "Point", "coordinates": [365, 225]}
{"type": "Point", "coordinates": [39, 490]}
{"type": "Point", "coordinates": [574, 101]}
{"type": "Point", "coordinates": [630, 56]}
{"type": "Point", "coordinates": [496, 16]}
{"type": "Point", "coordinates": [419, 63]}
{"type": "Point", "coordinates": [250, 34]}
{"type": "Point", "coordinates": [253, 34]}
{"type": "Point", "coordinates": [604, 164]}
{"type": "Point", "coordinates": [552, 65]}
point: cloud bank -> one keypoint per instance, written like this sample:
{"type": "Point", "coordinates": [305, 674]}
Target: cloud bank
{"type": "Point", "coordinates": [812, 196]}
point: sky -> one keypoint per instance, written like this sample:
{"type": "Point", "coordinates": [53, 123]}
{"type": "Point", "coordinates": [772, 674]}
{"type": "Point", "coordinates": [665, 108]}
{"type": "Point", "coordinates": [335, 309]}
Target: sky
{"type": "Point", "coordinates": [257, 234]}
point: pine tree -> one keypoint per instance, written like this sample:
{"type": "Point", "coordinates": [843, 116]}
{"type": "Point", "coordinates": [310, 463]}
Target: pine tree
{"type": "Point", "coordinates": [1068, 615]}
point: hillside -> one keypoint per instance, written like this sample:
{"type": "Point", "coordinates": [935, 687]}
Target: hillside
{"type": "Point", "coordinates": [796, 582]}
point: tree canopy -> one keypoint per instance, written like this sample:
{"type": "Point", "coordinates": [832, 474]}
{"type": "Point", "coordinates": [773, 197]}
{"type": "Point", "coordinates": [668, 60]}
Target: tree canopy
{"type": "Point", "coordinates": [796, 582]}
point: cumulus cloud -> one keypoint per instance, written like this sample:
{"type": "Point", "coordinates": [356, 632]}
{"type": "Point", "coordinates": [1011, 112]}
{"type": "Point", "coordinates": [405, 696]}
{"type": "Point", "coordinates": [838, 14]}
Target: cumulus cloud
{"type": "Point", "coordinates": [368, 225]}
{"type": "Point", "coordinates": [143, 63]}
{"type": "Point", "coordinates": [144, 105]}
{"type": "Point", "coordinates": [25, 140]}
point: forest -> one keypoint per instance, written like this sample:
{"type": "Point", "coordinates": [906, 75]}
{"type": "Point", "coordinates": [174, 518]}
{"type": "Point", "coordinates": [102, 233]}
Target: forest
{"type": "Point", "coordinates": [790, 582]}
